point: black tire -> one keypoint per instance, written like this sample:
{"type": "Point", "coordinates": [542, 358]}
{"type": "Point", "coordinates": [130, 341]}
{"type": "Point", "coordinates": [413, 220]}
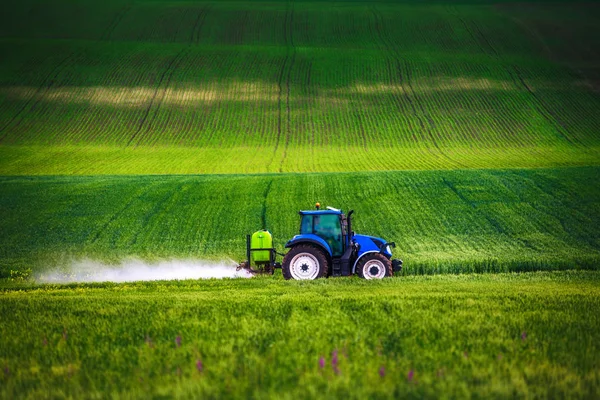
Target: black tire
{"type": "Point", "coordinates": [374, 266]}
{"type": "Point", "coordinates": [315, 263]}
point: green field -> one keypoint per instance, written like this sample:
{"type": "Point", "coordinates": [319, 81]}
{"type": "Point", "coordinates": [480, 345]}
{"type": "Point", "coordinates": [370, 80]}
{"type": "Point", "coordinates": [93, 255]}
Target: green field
{"type": "Point", "coordinates": [482, 336]}
{"type": "Point", "coordinates": [444, 221]}
{"type": "Point", "coordinates": [466, 131]}
{"type": "Point", "coordinates": [151, 87]}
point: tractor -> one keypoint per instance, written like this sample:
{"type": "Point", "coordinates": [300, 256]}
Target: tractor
{"type": "Point", "coordinates": [325, 246]}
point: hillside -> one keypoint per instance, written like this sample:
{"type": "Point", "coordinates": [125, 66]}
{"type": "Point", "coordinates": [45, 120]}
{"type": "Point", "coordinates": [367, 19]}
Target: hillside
{"type": "Point", "coordinates": [151, 87]}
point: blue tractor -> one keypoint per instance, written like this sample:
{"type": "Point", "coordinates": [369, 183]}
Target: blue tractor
{"type": "Point", "coordinates": [326, 246]}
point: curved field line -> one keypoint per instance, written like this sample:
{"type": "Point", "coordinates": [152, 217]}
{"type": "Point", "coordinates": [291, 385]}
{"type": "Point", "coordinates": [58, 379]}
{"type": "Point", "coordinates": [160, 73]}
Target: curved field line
{"type": "Point", "coordinates": [47, 83]}
{"type": "Point", "coordinates": [116, 215]}
{"type": "Point", "coordinates": [400, 60]}
{"type": "Point", "coordinates": [115, 22]}
{"type": "Point", "coordinates": [288, 90]}
{"type": "Point", "coordinates": [169, 70]}
{"type": "Point", "coordinates": [199, 23]}
{"type": "Point", "coordinates": [280, 86]}
{"type": "Point", "coordinates": [158, 207]}
{"type": "Point", "coordinates": [546, 113]}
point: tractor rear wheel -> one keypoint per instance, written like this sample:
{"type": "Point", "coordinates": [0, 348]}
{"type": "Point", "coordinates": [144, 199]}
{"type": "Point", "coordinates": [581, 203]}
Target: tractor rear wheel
{"type": "Point", "coordinates": [304, 262]}
{"type": "Point", "coordinates": [374, 266]}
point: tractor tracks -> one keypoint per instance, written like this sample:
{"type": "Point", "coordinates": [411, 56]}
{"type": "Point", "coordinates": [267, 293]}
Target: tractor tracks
{"type": "Point", "coordinates": [164, 81]}
{"type": "Point", "coordinates": [158, 96]}
{"type": "Point", "coordinates": [120, 212]}
{"type": "Point", "coordinates": [47, 83]}
{"type": "Point", "coordinates": [107, 35]}
{"type": "Point", "coordinates": [285, 73]}
{"type": "Point", "coordinates": [199, 23]}
{"type": "Point", "coordinates": [497, 227]}
{"type": "Point", "coordinates": [407, 91]}
{"type": "Point", "coordinates": [517, 77]}
{"type": "Point", "coordinates": [263, 213]}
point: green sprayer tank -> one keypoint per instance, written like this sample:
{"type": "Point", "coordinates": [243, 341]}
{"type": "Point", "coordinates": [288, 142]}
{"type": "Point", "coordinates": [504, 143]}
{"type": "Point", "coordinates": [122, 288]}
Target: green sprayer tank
{"type": "Point", "coordinates": [261, 240]}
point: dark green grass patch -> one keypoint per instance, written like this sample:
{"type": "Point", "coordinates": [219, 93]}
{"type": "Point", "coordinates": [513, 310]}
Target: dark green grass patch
{"type": "Point", "coordinates": [529, 335]}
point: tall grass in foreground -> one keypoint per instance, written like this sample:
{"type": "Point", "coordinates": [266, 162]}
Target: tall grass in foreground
{"type": "Point", "coordinates": [484, 336]}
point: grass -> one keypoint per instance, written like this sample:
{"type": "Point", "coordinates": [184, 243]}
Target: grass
{"type": "Point", "coordinates": [529, 335]}
{"type": "Point", "coordinates": [201, 87]}
{"type": "Point", "coordinates": [442, 221]}
{"type": "Point", "coordinates": [467, 132]}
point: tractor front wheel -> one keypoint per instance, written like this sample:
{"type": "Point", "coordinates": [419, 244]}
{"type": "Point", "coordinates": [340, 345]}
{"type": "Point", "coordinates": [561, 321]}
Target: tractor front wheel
{"type": "Point", "coordinates": [374, 266]}
{"type": "Point", "coordinates": [304, 262]}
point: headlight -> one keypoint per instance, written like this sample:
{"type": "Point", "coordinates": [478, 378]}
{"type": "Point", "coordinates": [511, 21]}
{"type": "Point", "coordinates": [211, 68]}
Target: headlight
{"type": "Point", "coordinates": [388, 250]}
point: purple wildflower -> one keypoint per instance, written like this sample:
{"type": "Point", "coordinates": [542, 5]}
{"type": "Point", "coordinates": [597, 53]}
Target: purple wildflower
{"type": "Point", "coordinates": [411, 375]}
{"type": "Point", "coordinates": [382, 371]}
{"type": "Point", "coordinates": [321, 362]}
{"type": "Point", "coordinates": [523, 336]}
{"type": "Point", "coordinates": [178, 341]}
{"type": "Point", "coordinates": [334, 358]}
{"type": "Point", "coordinates": [44, 341]}
{"type": "Point", "coordinates": [6, 370]}
{"type": "Point", "coordinates": [199, 365]}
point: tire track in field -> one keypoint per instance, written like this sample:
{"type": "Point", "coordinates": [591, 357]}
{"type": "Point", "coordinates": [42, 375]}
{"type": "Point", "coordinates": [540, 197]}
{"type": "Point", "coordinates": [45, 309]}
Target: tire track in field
{"type": "Point", "coordinates": [47, 83]}
{"type": "Point", "coordinates": [106, 36]}
{"type": "Point", "coordinates": [156, 208]}
{"type": "Point", "coordinates": [548, 115]}
{"type": "Point", "coordinates": [551, 117]}
{"type": "Point", "coordinates": [288, 84]}
{"type": "Point", "coordinates": [490, 220]}
{"type": "Point", "coordinates": [120, 212]}
{"type": "Point", "coordinates": [410, 94]}
{"type": "Point", "coordinates": [166, 77]}
{"type": "Point", "coordinates": [538, 181]}
{"type": "Point", "coordinates": [263, 214]}
{"type": "Point", "coordinates": [199, 23]}
{"type": "Point", "coordinates": [282, 73]}
{"type": "Point", "coordinates": [552, 56]}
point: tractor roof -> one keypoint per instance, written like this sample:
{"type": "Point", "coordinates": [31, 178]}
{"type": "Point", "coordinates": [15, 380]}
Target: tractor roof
{"type": "Point", "coordinates": [321, 212]}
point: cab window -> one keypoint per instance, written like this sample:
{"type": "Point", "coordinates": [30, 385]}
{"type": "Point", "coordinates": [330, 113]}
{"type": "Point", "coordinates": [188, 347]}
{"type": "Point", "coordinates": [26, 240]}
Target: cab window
{"type": "Point", "coordinates": [307, 224]}
{"type": "Point", "coordinates": [329, 228]}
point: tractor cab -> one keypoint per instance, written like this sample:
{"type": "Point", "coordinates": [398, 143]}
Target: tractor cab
{"type": "Point", "coordinates": [330, 225]}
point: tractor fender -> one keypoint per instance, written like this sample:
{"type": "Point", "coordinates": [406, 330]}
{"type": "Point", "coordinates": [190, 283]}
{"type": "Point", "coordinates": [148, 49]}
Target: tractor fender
{"type": "Point", "coordinates": [361, 256]}
{"type": "Point", "coordinates": [367, 245]}
{"type": "Point", "coordinates": [312, 239]}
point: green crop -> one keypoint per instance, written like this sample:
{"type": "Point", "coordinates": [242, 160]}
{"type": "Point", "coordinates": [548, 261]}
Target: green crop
{"type": "Point", "coordinates": [243, 87]}
{"type": "Point", "coordinates": [530, 335]}
{"type": "Point", "coordinates": [442, 222]}
{"type": "Point", "coordinates": [465, 131]}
